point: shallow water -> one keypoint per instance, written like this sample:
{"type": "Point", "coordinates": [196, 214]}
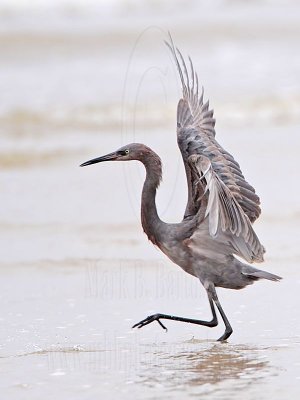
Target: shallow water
{"type": "Point", "coordinates": [67, 334]}
{"type": "Point", "coordinates": [76, 269]}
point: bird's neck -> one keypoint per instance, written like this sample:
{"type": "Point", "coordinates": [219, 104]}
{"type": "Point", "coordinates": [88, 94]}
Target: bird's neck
{"type": "Point", "coordinates": [150, 220]}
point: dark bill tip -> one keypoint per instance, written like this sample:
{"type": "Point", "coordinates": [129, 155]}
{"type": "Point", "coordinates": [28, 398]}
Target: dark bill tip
{"type": "Point", "coordinates": [88, 163]}
{"type": "Point", "coordinates": [107, 157]}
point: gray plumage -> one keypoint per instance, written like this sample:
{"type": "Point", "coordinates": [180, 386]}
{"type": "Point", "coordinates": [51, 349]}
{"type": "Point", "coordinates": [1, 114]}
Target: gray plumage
{"type": "Point", "coordinates": [221, 205]}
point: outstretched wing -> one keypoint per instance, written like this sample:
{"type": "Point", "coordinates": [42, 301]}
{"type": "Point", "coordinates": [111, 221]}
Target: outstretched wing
{"type": "Point", "coordinates": [196, 135]}
{"type": "Point", "coordinates": [224, 213]}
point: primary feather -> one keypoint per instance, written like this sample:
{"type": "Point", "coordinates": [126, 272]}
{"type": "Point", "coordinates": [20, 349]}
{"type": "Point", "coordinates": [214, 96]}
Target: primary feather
{"type": "Point", "coordinates": [215, 180]}
{"type": "Point", "coordinates": [196, 135]}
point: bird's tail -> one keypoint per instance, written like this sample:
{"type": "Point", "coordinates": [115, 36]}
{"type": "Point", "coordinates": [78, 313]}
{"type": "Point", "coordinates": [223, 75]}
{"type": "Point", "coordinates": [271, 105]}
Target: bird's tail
{"type": "Point", "coordinates": [259, 274]}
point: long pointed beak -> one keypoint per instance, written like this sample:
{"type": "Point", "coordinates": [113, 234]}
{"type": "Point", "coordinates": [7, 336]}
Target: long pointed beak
{"type": "Point", "coordinates": [107, 157]}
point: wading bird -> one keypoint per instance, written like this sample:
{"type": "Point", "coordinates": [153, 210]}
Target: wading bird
{"type": "Point", "coordinates": [221, 206]}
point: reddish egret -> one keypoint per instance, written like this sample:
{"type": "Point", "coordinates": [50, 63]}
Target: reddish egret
{"type": "Point", "coordinates": [221, 207]}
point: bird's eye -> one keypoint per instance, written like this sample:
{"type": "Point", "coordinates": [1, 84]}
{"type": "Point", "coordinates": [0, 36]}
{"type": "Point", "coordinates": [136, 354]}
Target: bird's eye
{"type": "Point", "coordinates": [126, 151]}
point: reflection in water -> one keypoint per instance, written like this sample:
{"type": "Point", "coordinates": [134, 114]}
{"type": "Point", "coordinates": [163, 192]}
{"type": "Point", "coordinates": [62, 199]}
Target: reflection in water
{"type": "Point", "coordinates": [185, 369]}
{"type": "Point", "coordinates": [222, 362]}
{"type": "Point", "coordinates": [205, 366]}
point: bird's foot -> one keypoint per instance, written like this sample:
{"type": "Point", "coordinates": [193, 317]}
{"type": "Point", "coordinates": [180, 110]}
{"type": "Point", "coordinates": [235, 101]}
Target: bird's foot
{"type": "Point", "coordinates": [226, 335]}
{"type": "Point", "coordinates": [148, 320]}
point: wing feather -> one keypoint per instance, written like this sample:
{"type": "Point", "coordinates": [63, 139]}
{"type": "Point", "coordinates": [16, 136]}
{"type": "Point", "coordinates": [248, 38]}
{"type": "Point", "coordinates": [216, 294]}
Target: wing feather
{"type": "Point", "coordinates": [196, 135]}
{"type": "Point", "coordinates": [225, 214]}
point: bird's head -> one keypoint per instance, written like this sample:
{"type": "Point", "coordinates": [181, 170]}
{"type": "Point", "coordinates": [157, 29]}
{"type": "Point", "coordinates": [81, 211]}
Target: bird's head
{"type": "Point", "coordinates": [132, 151]}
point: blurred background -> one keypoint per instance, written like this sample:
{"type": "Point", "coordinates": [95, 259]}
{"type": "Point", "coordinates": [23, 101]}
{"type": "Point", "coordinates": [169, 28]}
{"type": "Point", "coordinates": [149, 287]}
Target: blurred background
{"type": "Point", "coordinates": [81, 78]}
{"type": "Point", "coordinates": [78, 79]}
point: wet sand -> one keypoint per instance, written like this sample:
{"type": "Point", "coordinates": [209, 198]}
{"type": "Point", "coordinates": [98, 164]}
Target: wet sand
{"type": "Point", "coordinates": [67, 334]}
{"type": "Point", "coordinates": [76, 269]}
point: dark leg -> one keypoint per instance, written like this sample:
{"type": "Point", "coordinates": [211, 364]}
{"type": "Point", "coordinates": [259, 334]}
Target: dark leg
{"type": "Point", "coordinates": [158, 317]}
{"type": "Point", "coordinates": [228, 328]}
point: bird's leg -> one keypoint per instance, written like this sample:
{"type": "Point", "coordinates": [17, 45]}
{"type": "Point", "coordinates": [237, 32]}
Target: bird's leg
{"type": "Point", "coordinates": [158, 317]}
{"type": "Point", "coordinates": [228, 328]}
